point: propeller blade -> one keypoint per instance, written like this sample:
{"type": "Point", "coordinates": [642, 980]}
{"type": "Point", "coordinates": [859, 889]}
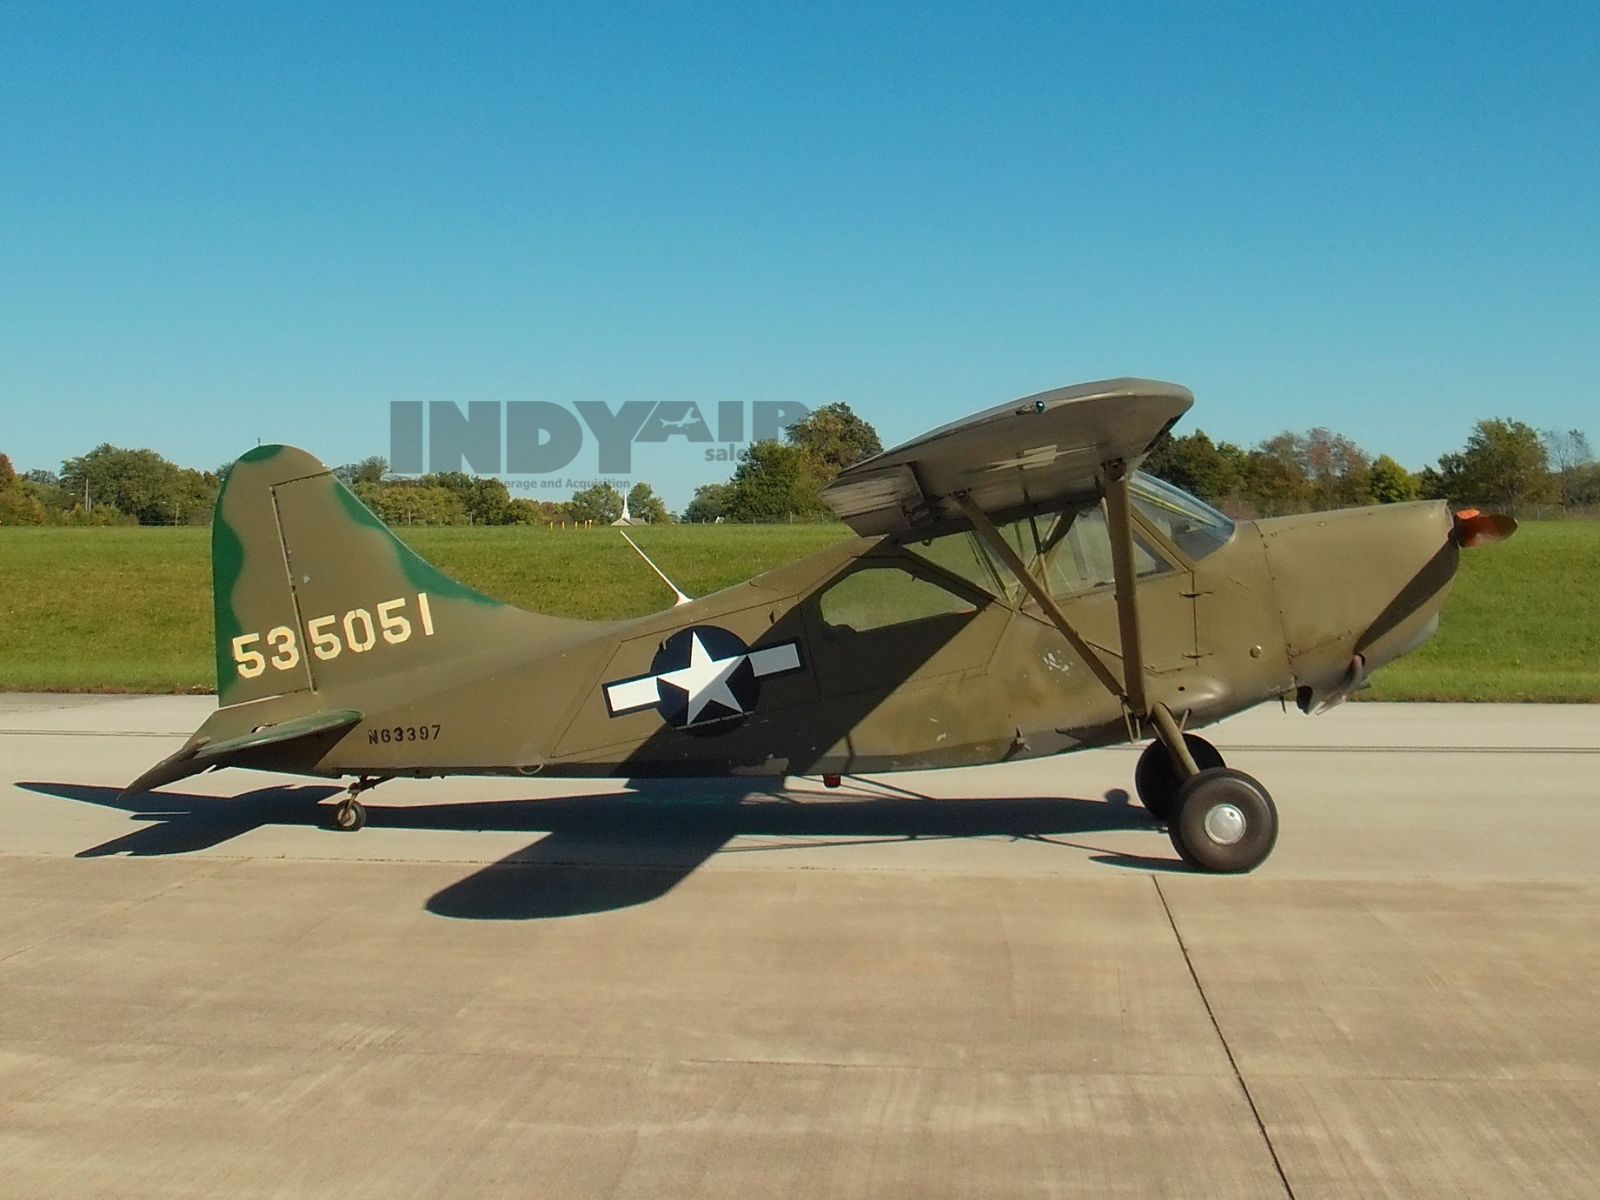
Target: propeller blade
{"type": "Point", "coordinates": [1474, 528]}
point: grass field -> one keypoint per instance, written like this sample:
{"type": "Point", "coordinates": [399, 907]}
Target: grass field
{"type": "Point", "coordinates": [130, 609]}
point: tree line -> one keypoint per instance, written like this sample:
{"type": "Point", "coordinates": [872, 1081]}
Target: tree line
{"type": "Point", "coordinates": [108, 486]}
{"type": "Point", "coordinates": [456, 498]}
{"type": "Point", "coordinates": [1505, 464]}
{"type": "Point", "coordinates": [111, 485]}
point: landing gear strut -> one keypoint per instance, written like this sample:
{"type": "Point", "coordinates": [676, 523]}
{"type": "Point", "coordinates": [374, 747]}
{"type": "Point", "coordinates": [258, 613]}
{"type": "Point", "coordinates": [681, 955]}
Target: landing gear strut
{"type": "Point", "coordinates": [1157, 778]}
{"type": "Point", "coordinates": [1218, 819]}
{"type": "Point", "coordinates": [351, 814]}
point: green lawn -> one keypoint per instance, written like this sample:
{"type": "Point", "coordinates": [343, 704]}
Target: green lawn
{"type": "Point", "coordinates": [130, 609]}
{"type": "Point", "coordinates": [1521, 623]}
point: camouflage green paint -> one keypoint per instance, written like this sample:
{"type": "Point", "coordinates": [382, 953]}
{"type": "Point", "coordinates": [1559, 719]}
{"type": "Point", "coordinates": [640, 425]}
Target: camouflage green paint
{"type": "Point", "coordinates": [227, 561]}
{"type": "Point", "coordinates": [422, 574]}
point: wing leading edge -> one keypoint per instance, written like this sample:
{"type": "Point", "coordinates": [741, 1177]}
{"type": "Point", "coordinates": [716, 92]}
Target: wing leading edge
{"type": "Point", "coordinates": [1042, 451]}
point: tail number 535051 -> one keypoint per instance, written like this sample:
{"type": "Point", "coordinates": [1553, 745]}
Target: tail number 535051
{"type": "Point", "coordinates": [357, 631]}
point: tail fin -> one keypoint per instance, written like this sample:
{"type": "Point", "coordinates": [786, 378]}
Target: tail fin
{"type": "Point", "coordinates": [313, 593]}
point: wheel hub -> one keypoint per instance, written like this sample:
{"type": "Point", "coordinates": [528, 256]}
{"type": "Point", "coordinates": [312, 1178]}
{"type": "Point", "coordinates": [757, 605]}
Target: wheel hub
{"type": "Point", "coordinates": [1225, 824]}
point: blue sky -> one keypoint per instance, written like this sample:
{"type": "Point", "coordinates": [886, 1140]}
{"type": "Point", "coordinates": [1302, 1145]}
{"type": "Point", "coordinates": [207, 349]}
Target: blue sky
{"type": "Point", "coordinates": [222, 223]}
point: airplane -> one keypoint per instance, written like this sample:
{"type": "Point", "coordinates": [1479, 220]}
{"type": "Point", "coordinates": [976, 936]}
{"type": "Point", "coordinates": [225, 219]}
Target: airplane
{"type": "Point", "coordinates": [688, 421]}
{"type": "Point", "coordinates": [1016, 588]}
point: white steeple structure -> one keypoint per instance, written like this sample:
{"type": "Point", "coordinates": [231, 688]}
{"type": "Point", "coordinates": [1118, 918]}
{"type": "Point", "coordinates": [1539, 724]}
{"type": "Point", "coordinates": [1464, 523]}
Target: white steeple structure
{"type": "Point", "coordinates": [626, 518]}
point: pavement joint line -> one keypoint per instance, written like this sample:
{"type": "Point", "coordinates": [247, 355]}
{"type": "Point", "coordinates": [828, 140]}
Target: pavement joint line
{"type": "Point", "coordinates": [110, 733]}
{"type": "Point", "coordinates": [531, 863]}
{"type": "Point", "coordinates": [499, 1054]}
{"type": "Point", "coordinates": [1261, 1126]}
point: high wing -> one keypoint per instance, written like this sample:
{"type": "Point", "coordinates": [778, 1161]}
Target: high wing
{"type": "Point", "coordinates": [1041, 451]}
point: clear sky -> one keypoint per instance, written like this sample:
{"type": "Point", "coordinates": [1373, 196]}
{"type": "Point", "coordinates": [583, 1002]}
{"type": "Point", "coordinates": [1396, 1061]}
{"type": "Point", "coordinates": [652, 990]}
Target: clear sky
{"type": "Point", "coordinates": [222, 223]}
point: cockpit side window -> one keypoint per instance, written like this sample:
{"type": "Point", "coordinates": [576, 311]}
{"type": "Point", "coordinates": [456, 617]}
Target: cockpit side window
{"type": "Point", "coordinates": [1074, 544]}
{"type": "Point", "coordinates": [1078, 555]}
{"type": "Point", "coordinates": [1191, 525]}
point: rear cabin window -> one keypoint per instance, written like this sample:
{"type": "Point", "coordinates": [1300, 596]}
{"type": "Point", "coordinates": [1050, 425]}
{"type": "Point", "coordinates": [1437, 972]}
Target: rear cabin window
{"type": "Point", "coordinates": [882, 597]}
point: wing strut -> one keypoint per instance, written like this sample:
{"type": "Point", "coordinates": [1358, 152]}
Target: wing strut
{"type": "Point", "coordinates": [1002, 550]}
{"type": "Point", "coordinates": [1130, 690]}
{"type": "Point", "coordinates": [1120, 525]}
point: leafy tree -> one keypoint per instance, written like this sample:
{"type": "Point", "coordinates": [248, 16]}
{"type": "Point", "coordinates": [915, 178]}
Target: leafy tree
{"type": "Point", "coordinates": [140, 483]}
{"type": "Point", "coordinates": [645, 505]}
{"type": "Point", "coordinates": [1390, 483]}
{"type": "Point", "coordinates": [413, 502]}
{"type": "Point", "coordinates": [538, 512]}
{"type": "Point", "coordinates": [832, 438]}
{"type": "Point", "coordinates": [1503, 464]}
{"type": "Point", "coordinates": [1430, 485]}
{"type": "Point", "coordinates": [773, 482]}
{"type": "Point", "coordinates": [369, 470]}
{"type": "Point", "coordinates": [1572, 461]}
{"type": "Point", "coordinates": [17, 506]}
{"type": "Point", "coordinates": [1314, 470]}
{"type": "Point", "coordinates": [601, 504]}
{"type": "Point", "coordinates": [1580, 486]}
{"type": "Point", "coordinates": [52, 497]}
{"type": "Point", "coordinates": [1274, 480]}
{"type": "Point", "coordinates": [486, 499]}
{"type": "Point", "coordinates": [710, 502]}
{"type": "Point", "coordinates": [1198, 465]}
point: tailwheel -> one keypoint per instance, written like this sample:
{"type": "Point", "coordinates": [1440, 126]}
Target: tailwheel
{"type": "Point", "coordinates": [1225, 821]}
{"type": "Point", "coordinates": [350, 816]}
{"type": "Point", "coordinates": [1157, 778]}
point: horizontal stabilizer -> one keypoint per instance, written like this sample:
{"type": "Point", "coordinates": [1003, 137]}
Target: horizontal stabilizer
{"type": "Point", "coordinates": [202, 755]}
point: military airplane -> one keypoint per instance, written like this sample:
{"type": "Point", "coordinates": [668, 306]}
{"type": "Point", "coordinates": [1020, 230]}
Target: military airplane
{"type": "Point", "coordinates": [1016, 589]}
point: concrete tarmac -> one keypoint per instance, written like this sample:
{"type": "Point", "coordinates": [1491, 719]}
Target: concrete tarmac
{"type": "Point", "coordinates": [996, 982]}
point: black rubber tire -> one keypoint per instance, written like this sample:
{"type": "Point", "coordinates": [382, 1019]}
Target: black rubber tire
{"type": "Point", "coordinates": [347, 818]}
{"type": "Point", "coordinates": [1157, 781]}
{"type": "Point", "coordinates": [1203, 794]}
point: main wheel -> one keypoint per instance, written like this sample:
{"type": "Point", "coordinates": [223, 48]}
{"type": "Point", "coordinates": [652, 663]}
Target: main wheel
{"type": "Point", "coordinates": [1225, 821]}
{"type": "Point", "coordinates": [350, 816]}
{"type": "Point", "coordinates": [1157, 780]}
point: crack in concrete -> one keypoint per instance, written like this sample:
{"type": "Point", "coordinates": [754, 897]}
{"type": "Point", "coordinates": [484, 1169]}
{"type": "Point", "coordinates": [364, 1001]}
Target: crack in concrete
{"type": "Point", "coordinates": [1233, 1063]}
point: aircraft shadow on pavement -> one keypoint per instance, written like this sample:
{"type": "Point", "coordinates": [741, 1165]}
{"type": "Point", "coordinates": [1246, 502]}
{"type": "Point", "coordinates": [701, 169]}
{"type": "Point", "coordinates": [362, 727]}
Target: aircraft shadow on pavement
{"type": "Point", "coordinates": [615, 850]}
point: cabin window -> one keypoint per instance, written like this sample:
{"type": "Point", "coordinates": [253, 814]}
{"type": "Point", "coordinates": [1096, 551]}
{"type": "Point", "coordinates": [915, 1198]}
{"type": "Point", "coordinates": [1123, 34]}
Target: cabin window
{"type": "Point", "coordinates": [1075, 545]}
{"type": "Point", "coordinates": [963, 556]}
{"type": "Point", "coordinates": [881, 597]}
{"type": "Point", "coordinates": [1077, 554]}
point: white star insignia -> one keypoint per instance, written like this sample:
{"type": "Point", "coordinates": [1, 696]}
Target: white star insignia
{"type": "Point", "coordinates": [705, 679]}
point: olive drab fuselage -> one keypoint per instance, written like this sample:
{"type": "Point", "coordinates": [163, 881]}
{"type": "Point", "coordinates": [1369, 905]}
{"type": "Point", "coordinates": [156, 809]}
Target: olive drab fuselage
{"type": "Point", "coordinates": [976, 676]}
{"type": "Point", "coordinates": [1017, 591]}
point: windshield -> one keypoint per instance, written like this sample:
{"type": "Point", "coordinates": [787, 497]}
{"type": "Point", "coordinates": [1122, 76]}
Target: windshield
{"type": "Point", "coordinates": [1189, 524]}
